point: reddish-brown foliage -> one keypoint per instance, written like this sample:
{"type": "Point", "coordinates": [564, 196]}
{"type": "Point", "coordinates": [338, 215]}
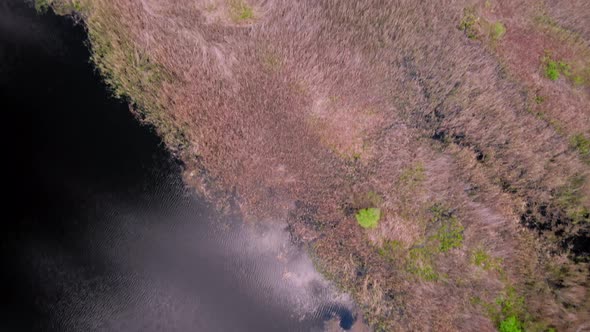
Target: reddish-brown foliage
{"type": "Point", "coordinates": [301, 110]}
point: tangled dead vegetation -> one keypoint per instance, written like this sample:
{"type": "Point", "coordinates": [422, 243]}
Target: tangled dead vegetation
{"type": "Point", "coordinates": [438, 113]}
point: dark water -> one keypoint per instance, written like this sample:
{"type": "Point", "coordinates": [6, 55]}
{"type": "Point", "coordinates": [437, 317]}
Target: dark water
{"type": "Point", "coordinates": [101, 234]}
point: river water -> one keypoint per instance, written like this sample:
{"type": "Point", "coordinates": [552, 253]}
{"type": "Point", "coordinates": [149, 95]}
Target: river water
{"type": "Point", "coordinates": [103, 235]}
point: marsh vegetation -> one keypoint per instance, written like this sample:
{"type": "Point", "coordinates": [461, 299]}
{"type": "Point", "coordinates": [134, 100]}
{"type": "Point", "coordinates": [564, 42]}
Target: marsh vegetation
{"type": "Point", "coordinates": [468, 120]}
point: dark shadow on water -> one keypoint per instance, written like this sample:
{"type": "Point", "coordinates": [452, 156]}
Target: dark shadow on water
{"type": "Point", "coordinates": [340, 312]}
{"type": "Point", "coordinates": [67, 142]}
{"type": "Point", "coordinates": [346, 318]}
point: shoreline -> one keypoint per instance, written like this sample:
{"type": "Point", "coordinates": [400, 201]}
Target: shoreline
{"type": "Point", "coordinates": [424, 200]}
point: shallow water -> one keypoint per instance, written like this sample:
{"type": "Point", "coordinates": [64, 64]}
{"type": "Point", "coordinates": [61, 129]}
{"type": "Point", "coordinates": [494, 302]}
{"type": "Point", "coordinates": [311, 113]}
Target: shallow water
{"type": "Point", "coordinates": [105, 235]}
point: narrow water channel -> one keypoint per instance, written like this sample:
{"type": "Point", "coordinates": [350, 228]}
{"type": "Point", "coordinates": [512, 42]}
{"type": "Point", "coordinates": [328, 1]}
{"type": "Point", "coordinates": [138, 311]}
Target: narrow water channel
{"type": "Point", "coordinates": [102, 233]}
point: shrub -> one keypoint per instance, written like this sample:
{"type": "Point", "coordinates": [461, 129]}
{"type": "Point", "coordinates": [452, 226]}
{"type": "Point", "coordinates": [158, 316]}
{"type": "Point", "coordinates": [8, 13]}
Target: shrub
{"type": "Point", "coordinates": [510, 324]}
{"type": "Point", "coordinates": [551, 70]}
{"type": "Point", "coordinates": [509, 311]}
{"type": "Point", "coordinates": [480, 257]}
{"type": "Point", "coordinates": [368, 218]}
{"type": "Point", "coordinates": [511, 304]}
{"type": "Point", "coordinates": [468, 23]}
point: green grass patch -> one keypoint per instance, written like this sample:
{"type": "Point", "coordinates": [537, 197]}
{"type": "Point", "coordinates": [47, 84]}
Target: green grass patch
{"type": "Point", "coordinates": [449, 235]}
{"type": "Point", "coordinates": [373, 198]}
{"type": "Point", "coordinates": [581, 144]}
{"type": "Point", "coordinates": [578, 80]}
{"type": "Point", "coordinates": [497, 31]}
{"type": "Point", "coordinates": [368, 218]}
{"type": "Point", "coordinates": [446, 233]}
{"type": "Point", "coordinates": [511, 305]}
{"type": "Point", "coordinates": [420, 263]}
{"type": "Point", "coordinates": [553, 69]}
{"type": "Point", "coordinates": [539, 99]}
{"type": "Point", "coordinates": [41, 6]}
{"type": "Point", "coordinates": [391, 250]}
{"type": "Point", "coordinates": [509, 313]}
{"type": "Point", "coordinates": [413, 176]}
{"type": "Point", "coordinates": [510, 324]}
{"type": "Point", "coordinates": [77, 6]}
{"type": "Point", "coordinates": [271, 61]}
{"type": "Point", "coordinates": [131, 73]}
{"type": "Point", "coordinates": [578, 73]}
{"type": "Point", "coordinates": [481, 258]}
{"type": "Point", "coordinates": [569, 198]}
{"type": "Point", "coordinates": [60, 7]}
{"type": "Point", "coordinates": [240, 10]}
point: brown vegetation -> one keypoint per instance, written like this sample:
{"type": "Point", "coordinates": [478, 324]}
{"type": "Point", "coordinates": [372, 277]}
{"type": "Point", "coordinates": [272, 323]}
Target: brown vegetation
{"type": "Point", "coordinates": [437, 111]}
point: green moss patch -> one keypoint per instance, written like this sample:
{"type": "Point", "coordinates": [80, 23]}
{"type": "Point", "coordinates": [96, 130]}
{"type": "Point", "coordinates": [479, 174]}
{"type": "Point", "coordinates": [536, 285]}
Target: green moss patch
{"type": "Point", "coordinates": [509, 313]}
{"type": "Point", "coordinates": [577, 74]}
{"type": "Point", "coordinates": [497, 30]}
{"type": "Point", "coordinates": [552, 70]}
{"type": "Point", "coordinates": [368, 218]}
{"type": "Point", "coordinates": [445, 233]}
{"type": "Point", "coordinates": [510, 324]}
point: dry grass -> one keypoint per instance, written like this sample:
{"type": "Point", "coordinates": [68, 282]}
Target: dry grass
{"type": "Point", "coordinates": [302, 108]}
